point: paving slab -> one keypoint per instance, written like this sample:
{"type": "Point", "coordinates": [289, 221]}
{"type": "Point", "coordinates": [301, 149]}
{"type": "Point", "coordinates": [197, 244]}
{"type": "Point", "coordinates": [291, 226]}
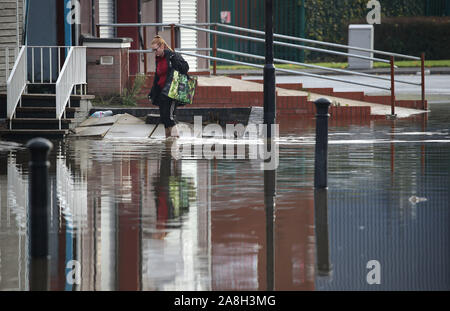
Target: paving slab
{"type": "Point", "coordinates": [129, 130]}
{"type": "Point", "coordinates": [91, 131]}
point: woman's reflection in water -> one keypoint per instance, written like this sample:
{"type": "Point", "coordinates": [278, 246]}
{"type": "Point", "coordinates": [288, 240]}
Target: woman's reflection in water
{"type": "Point", "coordinates": [171, 194]}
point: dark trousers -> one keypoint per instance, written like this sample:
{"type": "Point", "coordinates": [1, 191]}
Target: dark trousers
{"type": "Point", "coordinates": [167, 109]}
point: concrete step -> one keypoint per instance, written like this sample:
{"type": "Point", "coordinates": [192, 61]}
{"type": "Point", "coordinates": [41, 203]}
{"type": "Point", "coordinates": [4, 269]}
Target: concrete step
{"type": "Point", "coordinates": [27, 133]}
{"type": "Point", "coordinates": [39, 123]}
{"type": "Point", "coordinates": [42, 112]}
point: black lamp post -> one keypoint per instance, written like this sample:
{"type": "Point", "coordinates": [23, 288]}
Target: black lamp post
{"type": "Point", "coordinates": [269, 73]}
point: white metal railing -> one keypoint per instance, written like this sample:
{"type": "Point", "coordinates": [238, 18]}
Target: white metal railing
{"type": "Point", "coordinates": [45, 63]}
{"type": "Point", "coordinates": [71, 195]}
{"type": "Point", "coordinates": [72, 73]}
{"type": "Point", "coordinates": [16, 83]}
{"type": "Point", "coordinates": [17, 193]}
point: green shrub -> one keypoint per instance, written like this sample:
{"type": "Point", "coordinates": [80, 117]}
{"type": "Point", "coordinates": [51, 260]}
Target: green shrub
{"type": "Point", "coordinates": [131, 96]}
{"type": "Point", "coordinates": [414, 35]}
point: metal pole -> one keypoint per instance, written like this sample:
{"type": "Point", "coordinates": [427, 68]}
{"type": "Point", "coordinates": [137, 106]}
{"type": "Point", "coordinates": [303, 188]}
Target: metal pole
{"type": "Point", "coordinates": [269, 73]}
{"type": "Point", "coordinates": [172, 36]}
{"type": "Point", "coordinates": [302, 27]}
{"type": "Point", "coordinates": [321, 152]}
{"type": "Point", "coordinates": [424, 103]}
{"type": "Point", "coordinates": [39, 195]}
{"type": "Point", "coordinates": [392, 87]}
{"type": "Point", "coordinates": [145, 47]}
{"type": "Point", "coordinates": [215, 51]}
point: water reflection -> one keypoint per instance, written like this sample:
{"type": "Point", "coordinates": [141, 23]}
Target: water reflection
{"type": "Point", "coordinates": [134, 218]}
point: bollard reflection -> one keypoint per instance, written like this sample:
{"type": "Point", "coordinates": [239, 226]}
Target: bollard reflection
{"type": "Point", "coordinates": [321, 148]}
{"type": "Point", "coordinates": [320, 185]}
{"type": "Point", "coordinates": [323, 264]}
{"type": "Point", "coordinates": [39, 209]}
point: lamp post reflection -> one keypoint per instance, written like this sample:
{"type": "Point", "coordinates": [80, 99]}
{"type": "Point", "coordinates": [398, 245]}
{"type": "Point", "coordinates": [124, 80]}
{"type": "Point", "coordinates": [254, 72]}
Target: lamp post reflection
{"type": "Point", "coordinates": [392, 151]}
{"type": "Point", "coordinates": [39, 207]}
{"type": "Point", "coordinates": [269, 202]}
{"type": "Point", "coordinates": [321, 229]}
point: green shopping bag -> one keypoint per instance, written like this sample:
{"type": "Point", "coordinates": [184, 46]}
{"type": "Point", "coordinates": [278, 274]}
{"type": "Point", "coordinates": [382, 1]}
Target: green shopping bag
{"type": "Point", "coordinates": [182, 88]}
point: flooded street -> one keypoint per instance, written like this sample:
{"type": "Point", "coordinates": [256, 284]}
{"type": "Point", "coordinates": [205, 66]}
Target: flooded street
{"type": "Point", "coordinates": [134, 218]}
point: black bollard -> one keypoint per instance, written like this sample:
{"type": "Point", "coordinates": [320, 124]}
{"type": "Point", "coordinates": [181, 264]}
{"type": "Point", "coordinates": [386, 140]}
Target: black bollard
{"type": "Point", "coordinates": [323, 265]}
{"type": "Point", "coordinates": [38, 211]}
{"type": "Point", "coordinates": [321, 153]}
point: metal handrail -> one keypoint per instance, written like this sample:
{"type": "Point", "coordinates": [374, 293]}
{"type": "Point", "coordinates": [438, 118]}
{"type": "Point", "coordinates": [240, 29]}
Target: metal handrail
{"type": "Point", "coordinates": [296, 46]}
{"type": "Point", "coordinates": [316, 67]}
{"type": "Point", "coordinates": [73, 73]}
{"type": "Point", "coordinates": [283, 70]}
{"type": "Point", "coordinates": [16, 83]}
{"type": "Point", "coordinates": [320, 42]}
{"type": "Point", "coordinates": [263, 33]}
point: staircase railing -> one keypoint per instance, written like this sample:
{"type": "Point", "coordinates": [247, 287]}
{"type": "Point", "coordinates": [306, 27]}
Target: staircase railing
{"type": "Point", "coordinates": [16, 82]}
{"type": "Point", "coordinates": [73, 73]}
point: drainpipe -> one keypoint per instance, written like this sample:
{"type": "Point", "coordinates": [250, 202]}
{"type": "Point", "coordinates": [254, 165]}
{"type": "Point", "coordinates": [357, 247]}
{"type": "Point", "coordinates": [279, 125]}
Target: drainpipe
{"type": "Point", "coordinates": [17, 23]}
{"type": "Point", "coordinates": [93, 18]}
{"type": "Point", "coordinates": [77, 24]}
{"type": "Point", "coordinates": [25, 23]}
{"type": "Point", "coordinates": [140, 21]}
{"type": "Point", "coordinates": [67, 26]}
{"type": "Point", "coordinates": [141, 42]}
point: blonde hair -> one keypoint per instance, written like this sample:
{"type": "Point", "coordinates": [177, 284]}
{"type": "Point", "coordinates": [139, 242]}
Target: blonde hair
{"type": "Point", "coordinates": [159, 40]}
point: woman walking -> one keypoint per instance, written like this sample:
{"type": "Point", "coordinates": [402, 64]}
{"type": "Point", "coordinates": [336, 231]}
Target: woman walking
{"type": "Point", "coordinates": [166, 62]}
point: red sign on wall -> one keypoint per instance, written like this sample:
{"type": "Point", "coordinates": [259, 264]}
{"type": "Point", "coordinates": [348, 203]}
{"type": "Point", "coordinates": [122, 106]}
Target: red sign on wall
{"type": "Point", "coordinates": [225, 17]}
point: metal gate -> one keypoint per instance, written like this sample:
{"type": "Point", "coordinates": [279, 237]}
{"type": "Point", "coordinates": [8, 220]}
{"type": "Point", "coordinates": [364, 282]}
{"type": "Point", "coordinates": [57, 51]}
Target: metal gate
{"type": "Point", "coordinates": [288, 19]}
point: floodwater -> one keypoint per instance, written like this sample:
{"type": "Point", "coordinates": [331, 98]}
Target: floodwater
{"type": "Point", "coordinates": [126, 215]}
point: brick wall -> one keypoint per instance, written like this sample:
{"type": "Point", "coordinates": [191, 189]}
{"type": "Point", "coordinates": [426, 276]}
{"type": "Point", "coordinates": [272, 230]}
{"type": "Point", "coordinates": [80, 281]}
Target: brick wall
{"type": "Point", "coordinates": [104, 80]}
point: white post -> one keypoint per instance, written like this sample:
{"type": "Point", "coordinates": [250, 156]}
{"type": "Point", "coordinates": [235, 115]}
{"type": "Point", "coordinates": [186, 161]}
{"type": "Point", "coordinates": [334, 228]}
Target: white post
{"type": "Point", "coordinates": [32, 65]}
{"type": "Point", "coordinates": [42, 65]}
{"type": "Point", "coordinates": [50, 57]}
